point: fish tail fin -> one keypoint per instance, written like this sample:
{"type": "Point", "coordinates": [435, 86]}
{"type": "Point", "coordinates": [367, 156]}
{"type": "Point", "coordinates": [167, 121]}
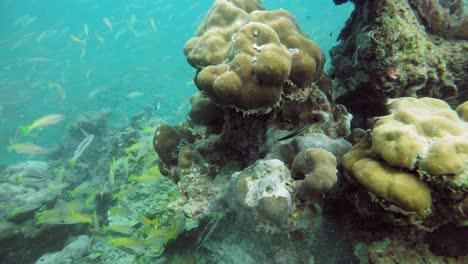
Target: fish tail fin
{"type": "Point", "coordinates": [25, 130]}
{"type": "Point", "coordinates": [110, 240]}
{"type": "Point", "coordinates": [72, 162]}
{"type": "Point", "coordinates": [10, 147]}
{"type": "Point", "coordinates": [72, 193]}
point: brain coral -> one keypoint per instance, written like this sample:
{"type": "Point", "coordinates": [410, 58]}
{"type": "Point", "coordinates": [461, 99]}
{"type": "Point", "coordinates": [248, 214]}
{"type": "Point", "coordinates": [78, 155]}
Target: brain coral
{"type": "Point", "coordinates": [415, 160]}
{"type": "Point", "coordinates": [423, 130]}
{"type": "Point", "coordinates": [462, 111]}
{"type": "Point", "coordinates": [315, 172]}
{"type": "Point", "coordinates": [245, 55]}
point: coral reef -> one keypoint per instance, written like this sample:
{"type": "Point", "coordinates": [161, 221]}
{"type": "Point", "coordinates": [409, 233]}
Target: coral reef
{"type": "Point", "coordinates": [88, 196]}
{"type": "Point", "coordinates": [401, 188]}
{"type": "Point", "coordinates": [462, 111]}
{"type": "Point", "coordinates": [445, 18]}
{"type": "Point", "coordinates": [315, 171]}
{"type": "Point", "coordinates": [385, 52]}
{"type": "Point", "coordinates": [86, 124]}
{"type": "Point", "coordinates": [424, 130]}
{"type": "Point", "coordinates": [70, 253]}
{"type": "Point", "coordinates": [257, 52]}
{"type": "Point", "coordinates": [142, 215]}
{"type": "Point", "coordinates": [93, 122]}
{"type": "Point", "coordinates": [414, 163]}
{"type": "Point", "coordinates": [167, 139]}
{"type": "Point", "coordinates": [265, 191]}
{"type": "Point", "coordinates": [388, 251]}
{"type": "Point", "coordinates": [260, 169]}
{"type": "Point", "coordinates": [259, 78]}
{"type": "Point", "coordinates": [26, 187]}
{"type": "Point", "coordinates": [287, 150]}
{"type": "Point", "coordinates": [204, 111]}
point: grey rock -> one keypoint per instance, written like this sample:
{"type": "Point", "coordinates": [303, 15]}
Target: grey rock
{"type": "Point", "coordinates": [288, 149]}
{"type": "Point", "coordinates": [263, 191]}
{"type": "Point", "coordinates": [72, 252]}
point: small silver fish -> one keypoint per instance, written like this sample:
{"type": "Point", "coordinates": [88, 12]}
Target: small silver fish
{"type": "Point", "coordinates": [81, 148]}
{"type": "Point", "coordinates": [85, 29]}
{"type": "Point", "coordinates": [107, 22]}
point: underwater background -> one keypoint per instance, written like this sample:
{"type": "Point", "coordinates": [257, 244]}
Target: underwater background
{"type": "Point", "coordinates": [233, 131]}
{"type": "Point", "coordinates": [35, 50]}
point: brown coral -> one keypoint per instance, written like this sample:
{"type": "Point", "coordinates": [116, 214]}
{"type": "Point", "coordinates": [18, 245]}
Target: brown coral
{"type": "Point", "coordinates": [204, 111]}
{"type": "Point", "coordinates": [245, 56]}
{"type": "Point", "coordinates": [415, 161]}
{"type": "Point", "coordinates": [166, 140]}
{"type": "Point", "coordinates": [315, 172]}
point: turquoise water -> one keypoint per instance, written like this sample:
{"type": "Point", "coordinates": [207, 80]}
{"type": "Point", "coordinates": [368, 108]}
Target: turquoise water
{"type": "Point", "coordinates": [148, 66]}
{"type": "Point", "coordinates": [256, 167]}
{"type": "Point", "coordinates": [75, 57]}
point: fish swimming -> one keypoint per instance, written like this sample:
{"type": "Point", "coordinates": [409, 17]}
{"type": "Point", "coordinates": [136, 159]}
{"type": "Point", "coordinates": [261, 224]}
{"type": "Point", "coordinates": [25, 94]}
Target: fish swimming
{"type": "Point", "coordinates": [154, 171]}
{"type": "Point", "coordinates": [107, 22]}
{"type": "Point", "coordinates": [91, 196]}
{"type": "Point", "coordinates": [128, 244]}
{"type": "Point", "coordinates": [123, 193]}
{"type": "Point", "coordinates": [58, 88]}
{"type": "Point", "coordinates": [99, 38]}
{"type": "Point", "coordinates": [97, 91]}
{"type": "Point", "coordinates": [138, 145]}
{"type": "Point", "coordinates": [38, 60]}
{"type": "Point", "coordinates": [149, 130]}
{"type": "Point", "coordinates": [85, 29]}
{"type": "Point", "coordinates": [146, 221]}
{"type": "Point", "coordinates": [134, 94]}
{"type": "Point", "coordinates": [77, 218]}
{"type": "Point", "coordinates": [80, 189]}
{"type": "Point", "coordinates": [144, 178]}
{"type": "Point", "coordinates": [165, 234]}
{"type": "Point", "coordinates": [130, 25]}
{"type": "Point", "coordinates": [81, 148]}
{"type": "Point", "coordinates": [83, 53]}
{"type": "Point", "coordinates": [132, 19]}
{"type": "Point", "coordinates": [75, 40]}
{"type": "Point", "coordinates": [42, 122]}
{"type": "Point", "coordinates": [42, 36]}
{"type": "Point", "coordinates": [27, 148]}
{"type": "Point", "coordinates": [112, 167]}
{"type": "Point", "coordinates": [58, 219]}
{"type": "Point", "coordinates": [320, 117]}
{"type": "Point", "coordinates": [131, 29]}
{"type": "Point", "coordinates": [153, 24]}
{"type": "Point", "coordinates": [294, 133]}
{"type": "Point", "coordinates": [121, 229]}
